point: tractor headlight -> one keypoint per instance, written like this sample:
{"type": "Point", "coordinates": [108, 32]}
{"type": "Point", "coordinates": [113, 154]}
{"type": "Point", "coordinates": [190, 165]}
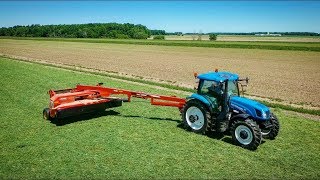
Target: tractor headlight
{"type": "Point", "coordinates": [264, 115]}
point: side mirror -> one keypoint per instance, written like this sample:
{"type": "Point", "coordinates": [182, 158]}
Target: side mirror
{"type": "Point", "coordinates": [100, 84]}
{"type": "Point", "coordinates": [242, 89]}
{"type": "Point", "coordinates": [196, 83]}
{"type": "Point", "coordinates": [244, 85]}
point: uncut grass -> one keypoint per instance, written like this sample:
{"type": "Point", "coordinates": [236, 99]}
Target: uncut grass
{"type": "Point", "coordinates": [136, 140]}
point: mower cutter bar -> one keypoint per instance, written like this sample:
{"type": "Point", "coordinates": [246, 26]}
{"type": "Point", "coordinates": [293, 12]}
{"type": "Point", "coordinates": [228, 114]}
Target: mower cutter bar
{"type": "Point", "coordinates": [85, 99]}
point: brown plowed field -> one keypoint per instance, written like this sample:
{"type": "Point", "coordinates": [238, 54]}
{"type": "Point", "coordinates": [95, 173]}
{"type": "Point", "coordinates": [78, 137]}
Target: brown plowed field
{"type": "Point", "coordinates": [292, 76]}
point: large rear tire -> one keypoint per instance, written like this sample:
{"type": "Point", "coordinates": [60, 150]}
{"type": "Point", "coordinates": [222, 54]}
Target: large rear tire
{"type": "Point", "coordinates": [272, 132]}
{"type": "Point", "coordinates": [196, 117]}
{"type": "Point", "coordinates": [246, 133]}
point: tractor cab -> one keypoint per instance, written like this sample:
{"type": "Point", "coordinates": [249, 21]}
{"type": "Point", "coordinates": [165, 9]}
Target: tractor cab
{"type": "Point", "coordinates": [218, 106]}
{"type": "Point", "coordinates": [216, 87]}
{"type": "Point", "coordinates": [215, 83]}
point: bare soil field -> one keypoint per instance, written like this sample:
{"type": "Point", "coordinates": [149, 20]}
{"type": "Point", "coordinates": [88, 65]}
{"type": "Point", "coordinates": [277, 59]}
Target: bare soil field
{"type": "Point", "coordinates": [289, 76]}
{"type": "Point", "coordinates": [247, 38]}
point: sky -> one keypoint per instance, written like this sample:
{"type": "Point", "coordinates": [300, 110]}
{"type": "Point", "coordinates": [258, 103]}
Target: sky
{"type": "Point", "coordinates": [172, 16]}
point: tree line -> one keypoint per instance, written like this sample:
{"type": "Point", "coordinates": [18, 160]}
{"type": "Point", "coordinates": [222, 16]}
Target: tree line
{"type": "Point", "coordinates": [91, 30]}
{"type": "Point", "coordinates": [158, 32]}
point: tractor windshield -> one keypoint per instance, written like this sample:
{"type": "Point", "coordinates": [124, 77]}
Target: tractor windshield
{"type": "Point", "coordinates": [233, 88]}
{"type": "Point", "coordinates": [211, 88]}
{"type": "Point", "coordinates": [216, 89]}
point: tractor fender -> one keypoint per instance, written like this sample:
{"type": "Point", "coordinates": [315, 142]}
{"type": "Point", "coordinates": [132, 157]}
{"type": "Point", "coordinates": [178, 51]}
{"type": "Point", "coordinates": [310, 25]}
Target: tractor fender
{"type": "Point", "coordinates": [203, 100]}
{"type": "Point", "coordinates": [242, 116]}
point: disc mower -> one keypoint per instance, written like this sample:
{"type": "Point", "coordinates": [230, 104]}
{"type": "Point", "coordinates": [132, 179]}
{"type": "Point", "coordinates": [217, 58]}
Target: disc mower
{"type": "Point", "coordinates": [216, 106]}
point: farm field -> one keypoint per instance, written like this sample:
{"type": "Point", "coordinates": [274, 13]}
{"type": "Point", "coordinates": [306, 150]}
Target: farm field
{"type": "Point", "coordinates": [287, 76]}
{"type": "Point", "coordinates": [248, 38]}
{"type": "Point", "coordinates": [136, 140]}
{"type": "Point", "coordinates": [271, 45]}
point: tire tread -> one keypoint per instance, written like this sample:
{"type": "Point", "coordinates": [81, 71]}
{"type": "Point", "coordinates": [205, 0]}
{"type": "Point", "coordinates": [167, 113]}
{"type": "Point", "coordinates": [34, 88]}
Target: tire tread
{"type": "Point", "coordinates": [208, 120]}
{"type": "Point", "coordinates": [257, 136]}
{"type": "Point", "coordinates": [275, 128]}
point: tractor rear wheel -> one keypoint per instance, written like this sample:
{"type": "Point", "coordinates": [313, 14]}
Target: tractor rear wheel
{"type": "Point", "coordinates": [271, 133]}
{"type": "Point", "coordinates": [46, 114]}
{"type": "Point", "coordinates": [196, 117]}
{"type": "Point", "coordinates": [246, 133]}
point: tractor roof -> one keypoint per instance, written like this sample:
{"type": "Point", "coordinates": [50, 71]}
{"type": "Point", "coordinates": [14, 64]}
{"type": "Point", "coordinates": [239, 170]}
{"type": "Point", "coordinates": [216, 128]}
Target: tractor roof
{"type": "Point", "coordinates": [218, 76]}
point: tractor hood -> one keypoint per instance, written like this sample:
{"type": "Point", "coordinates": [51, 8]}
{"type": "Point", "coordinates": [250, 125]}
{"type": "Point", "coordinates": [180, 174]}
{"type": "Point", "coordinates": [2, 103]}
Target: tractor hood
{"type": "Point", "coordinates": [253, 108]}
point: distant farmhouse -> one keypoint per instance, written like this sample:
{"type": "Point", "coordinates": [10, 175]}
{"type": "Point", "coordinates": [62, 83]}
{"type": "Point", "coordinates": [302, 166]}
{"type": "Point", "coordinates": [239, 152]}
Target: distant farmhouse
{"type": "Point", "coordinates": [268, 34]}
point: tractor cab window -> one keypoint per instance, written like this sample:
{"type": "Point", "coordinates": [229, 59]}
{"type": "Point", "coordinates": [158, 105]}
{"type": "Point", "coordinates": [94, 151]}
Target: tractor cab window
{"type": "Point", "coordinates": [233, 88]}
{"type": "Point", "coordinates": [211, 88]}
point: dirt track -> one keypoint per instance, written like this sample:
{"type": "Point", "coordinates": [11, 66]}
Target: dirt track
{"type": "Point", "coordinates": [291, 76]}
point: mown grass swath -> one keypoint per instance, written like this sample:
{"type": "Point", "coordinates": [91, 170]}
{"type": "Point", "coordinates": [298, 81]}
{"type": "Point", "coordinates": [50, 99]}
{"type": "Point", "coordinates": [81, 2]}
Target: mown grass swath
{"type": "Point", "coordinates": [295, 46]}
{"type": "Point", "coordinates": [133, 141]}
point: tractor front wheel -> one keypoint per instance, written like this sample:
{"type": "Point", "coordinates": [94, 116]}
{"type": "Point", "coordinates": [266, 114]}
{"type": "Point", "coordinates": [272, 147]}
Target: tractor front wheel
{"type": "Point", "coordinates": [196, 117]}
{"type": "Point", "coordinates": [271, 133]}
{"type": "Point", "coordinates": [246, 133]}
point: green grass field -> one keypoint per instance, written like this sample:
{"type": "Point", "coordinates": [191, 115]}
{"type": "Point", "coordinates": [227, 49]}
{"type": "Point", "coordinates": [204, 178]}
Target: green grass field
{"type": "Point", "coordinates": [136, 140]}
{"type": "Point", "coordinates": [296, 46]}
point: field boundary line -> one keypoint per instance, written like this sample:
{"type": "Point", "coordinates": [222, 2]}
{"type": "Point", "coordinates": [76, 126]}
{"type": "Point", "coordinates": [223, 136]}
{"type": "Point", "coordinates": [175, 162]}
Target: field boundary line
{"type": "Point", "coordinates": [162, 86]}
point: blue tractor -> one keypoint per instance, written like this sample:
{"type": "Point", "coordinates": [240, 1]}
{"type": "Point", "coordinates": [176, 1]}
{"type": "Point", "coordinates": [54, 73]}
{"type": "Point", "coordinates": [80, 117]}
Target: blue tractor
{"type": "Point", "coordinates": [217, 106]}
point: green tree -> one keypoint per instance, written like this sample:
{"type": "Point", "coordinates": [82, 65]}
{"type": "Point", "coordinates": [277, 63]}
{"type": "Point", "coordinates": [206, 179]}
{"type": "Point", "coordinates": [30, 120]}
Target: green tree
{"type": "Point", "coordinates": [212, 37]}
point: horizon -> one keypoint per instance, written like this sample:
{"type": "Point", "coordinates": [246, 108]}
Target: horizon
{"type": "Point", "coordinates": [171, 16]}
